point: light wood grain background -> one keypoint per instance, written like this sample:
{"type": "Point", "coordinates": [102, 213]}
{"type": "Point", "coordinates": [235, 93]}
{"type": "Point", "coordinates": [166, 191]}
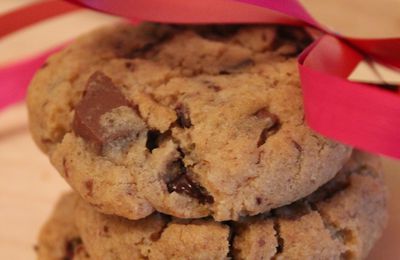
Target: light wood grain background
{"type": "Point", "coordinates": [29, 186]}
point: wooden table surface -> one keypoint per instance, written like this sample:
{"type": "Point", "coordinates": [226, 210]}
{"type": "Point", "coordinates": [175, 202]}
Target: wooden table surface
{"type": "Point", "coordinates": [29, 186]}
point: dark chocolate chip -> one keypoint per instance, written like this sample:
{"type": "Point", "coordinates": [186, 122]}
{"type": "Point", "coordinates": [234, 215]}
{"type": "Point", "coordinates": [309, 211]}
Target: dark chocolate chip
{"type": "Point", "coordinates": [71, 246]}
{"type": "Point", "coordinates": [100, 97]}
{"type": "Point", "coordinates": [237, 67]}
{"type": "Point", "coordinates": [184, 184]}
{"type": "Point", "coordinates": [176, 168]}
{"type": "Point", "coordinates": [153, 138]}
{"type": "Point", "coordinates": [182, 113]}
{"type": "Point", "coordinates": [273, 125]}
{"type": "Point", "coordinates": [258, 200]}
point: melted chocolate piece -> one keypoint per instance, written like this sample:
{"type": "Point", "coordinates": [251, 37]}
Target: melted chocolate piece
{"type": "Point", "coordinates": [273, 125]}
{"type": "Point", "coordinates": [183, 116]}
{"type": "Point", "coordinates": [70, 248]}
{"type": "Point", "coordinates": [100, 97]}
{"type": "Point", "coordinates": [176, 168]}
{"type": "Point", "coordinates": [183, 184]}
{"type": "Point", "coordinates": [153, 138]}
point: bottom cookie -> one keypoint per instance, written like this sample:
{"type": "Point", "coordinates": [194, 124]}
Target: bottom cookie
{"type": "Point", "coordinates": [341, 220]}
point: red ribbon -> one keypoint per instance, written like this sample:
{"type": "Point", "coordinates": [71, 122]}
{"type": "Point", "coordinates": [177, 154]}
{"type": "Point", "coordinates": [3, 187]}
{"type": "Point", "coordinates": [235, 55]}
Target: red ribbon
{"type": "Point", "coordinates": [362, 115]}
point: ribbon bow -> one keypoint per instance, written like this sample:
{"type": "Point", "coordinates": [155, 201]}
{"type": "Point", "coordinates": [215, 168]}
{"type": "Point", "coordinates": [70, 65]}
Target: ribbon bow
{"type": "Point", "coordinates": [366, 116]}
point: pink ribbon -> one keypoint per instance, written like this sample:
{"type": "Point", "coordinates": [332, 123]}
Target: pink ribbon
{"type": "Point", "coordinates": [362, 115]}
{"type": "Point", "coordinates": [15, 77]}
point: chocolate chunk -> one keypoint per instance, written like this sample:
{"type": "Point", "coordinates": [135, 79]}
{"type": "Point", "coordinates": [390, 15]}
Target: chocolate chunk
{"type": "Point", "coordinates": [237, 67]}
{"type": "Point", "coordinates": [258, 200]}
{"type": "Point", "coordinates": [183, 184]}
{"type": "Point", "coordinates": [71, 247]}
{"type": "Point", "coordinates": [100, 97]}
{"type": "Point", "coordinates": [176, 168]}
{"type": "Point", "coordinates": [153, 138]}
{"type": "Point", "coordinates": [183, 116]}
{"type": "Point", "coordinates": [272, 126]}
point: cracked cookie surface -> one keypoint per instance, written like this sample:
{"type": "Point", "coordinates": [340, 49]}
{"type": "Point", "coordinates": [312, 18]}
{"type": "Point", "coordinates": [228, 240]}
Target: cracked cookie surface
{"type": "Point", "coordinates": [190, 121]}
{"type": "Point", "coordinates": [341, 220]}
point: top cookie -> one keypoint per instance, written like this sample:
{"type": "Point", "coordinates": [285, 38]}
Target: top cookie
{"type": "Point", "coordinates": [188, 121]}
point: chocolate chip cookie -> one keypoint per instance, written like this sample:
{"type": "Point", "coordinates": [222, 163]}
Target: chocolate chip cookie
{"type": "Point", "coordinates": [341, 220]}
{"type": "Point", "coordinates": [59, 238]}
{"type": "Point", "coordinates": [190, 121]}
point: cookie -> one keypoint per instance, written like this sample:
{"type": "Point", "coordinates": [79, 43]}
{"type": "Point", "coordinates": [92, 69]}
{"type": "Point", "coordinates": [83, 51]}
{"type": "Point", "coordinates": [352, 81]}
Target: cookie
{"type": "Point", "coordinates": [189, 121]}
{"type": "Point", "coordinates": [341, 220]}
{"type": "Point", "coordinates": [59, 238]}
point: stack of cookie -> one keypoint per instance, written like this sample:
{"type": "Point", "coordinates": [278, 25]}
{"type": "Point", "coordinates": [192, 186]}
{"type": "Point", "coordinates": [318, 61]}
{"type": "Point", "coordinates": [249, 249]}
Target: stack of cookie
{"type": "Point", "coordinates": [189, 142]}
